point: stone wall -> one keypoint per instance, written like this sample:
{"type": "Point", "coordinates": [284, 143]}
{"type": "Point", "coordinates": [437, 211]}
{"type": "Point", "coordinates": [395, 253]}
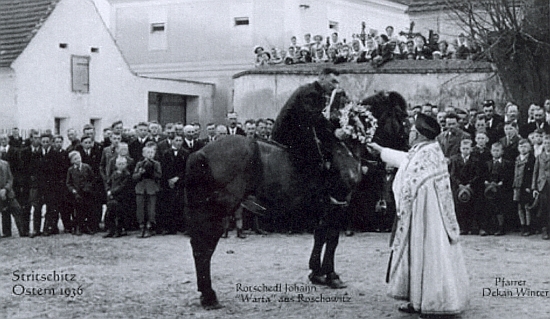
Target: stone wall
{"type": "Point", "coordinates": [261, 93]}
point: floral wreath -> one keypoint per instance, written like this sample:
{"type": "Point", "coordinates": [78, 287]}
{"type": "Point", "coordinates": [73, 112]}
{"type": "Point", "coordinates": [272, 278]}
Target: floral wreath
{"type": "Point", "coordinates": [355, 119]}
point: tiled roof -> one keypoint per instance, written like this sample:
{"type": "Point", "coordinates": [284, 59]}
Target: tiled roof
{"type": "Point", "coordinates": [404, 2]}
{"type": "Point", "coordinates": [392, 67]}
{"type": "Point", "coordinates": [19, 22]}
{"type": "Point", "coordinates": [417, 6]}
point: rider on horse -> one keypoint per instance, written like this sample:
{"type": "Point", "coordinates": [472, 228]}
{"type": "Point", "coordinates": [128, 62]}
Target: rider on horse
{"type": "Point", "coordinates": [309, 135]}
{"type": "Point", "coordinates": [302, 127]}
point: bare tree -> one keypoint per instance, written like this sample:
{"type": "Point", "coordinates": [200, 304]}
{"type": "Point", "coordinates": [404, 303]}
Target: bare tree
{"type": "Point", "coordinates": [515, 36]}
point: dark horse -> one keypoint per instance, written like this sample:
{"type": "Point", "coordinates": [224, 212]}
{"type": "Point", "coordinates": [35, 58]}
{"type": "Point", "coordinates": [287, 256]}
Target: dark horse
{"type": "Point", "coordinates": [223, 174]}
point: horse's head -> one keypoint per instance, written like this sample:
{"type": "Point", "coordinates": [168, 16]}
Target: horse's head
{"type": "Point", "coordinates": [386, 103]}
{"type": "Point", "coordinates": [344, 173]}
{"type": "Point", "coordinates": [390, 108]}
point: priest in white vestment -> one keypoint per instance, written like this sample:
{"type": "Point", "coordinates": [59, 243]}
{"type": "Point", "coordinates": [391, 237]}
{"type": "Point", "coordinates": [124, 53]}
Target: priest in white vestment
{"type": "Point", "coordinates": [426, 266]}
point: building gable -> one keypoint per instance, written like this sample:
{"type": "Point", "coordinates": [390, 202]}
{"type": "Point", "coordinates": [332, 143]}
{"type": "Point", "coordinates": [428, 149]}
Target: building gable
{"type": "Point", "coordinates": [20, 20]}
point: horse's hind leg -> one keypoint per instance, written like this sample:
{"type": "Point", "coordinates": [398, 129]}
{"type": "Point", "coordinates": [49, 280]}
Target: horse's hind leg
{"type": "Point", "coordinates": [203, 249]}
{"type": "Point", "coordinates": [205, 231]}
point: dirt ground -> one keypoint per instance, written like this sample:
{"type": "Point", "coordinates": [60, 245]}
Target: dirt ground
{"type": "Point", "coordinates": [155, 278]}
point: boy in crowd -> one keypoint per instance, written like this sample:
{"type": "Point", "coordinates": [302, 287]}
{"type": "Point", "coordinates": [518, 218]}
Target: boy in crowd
{"type": "Point", "coordinates": [90, 153]}
{"type": "Point", "coordinates": [536, 141]}
{"type": "Point", "coordinates": [481, 150]}
{"type": "Point", "coordinates": [540, 186]}
{"type": "Point", "coordinates": [129, 216]}
{"type": "Point", "coordinates": [80, 181]}
{"type": "Point", "coordinates": [119, 194]}
{"type": "Point", "coordinates": [523, 175]}
{"type": "Point", "coordinates": [464, 171]}
{"type": "Point", "coordinates": [510, 141]}
{"type": "Point", "coordinates": [147, 174]}
{"type": "Point", "coordinates": [498, 184]}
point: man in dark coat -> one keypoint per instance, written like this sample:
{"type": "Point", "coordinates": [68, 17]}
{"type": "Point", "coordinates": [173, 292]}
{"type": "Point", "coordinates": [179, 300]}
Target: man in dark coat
{"type": "Point", "coordinates": [538, 123]}
{"type": "Point", "coordinates": [450, 139]}
{"type": "Point", "coordinates": [173, 163]}
{"type": "Point", "coordinates": [301, 122]}
{"type": "Point", "coordinates": [191, 144]}
{"type": "Point", "coordinates": [15, 139]}
{"type": "Point", "coordinates": [494, 122]}
{"type": "Point", "coordinates": [308, 134]}
{"type": "Point", "coordinates": [10, 154]}
{"type": "Point", "coordinates": [90, 153]}
{"type": "Point", "coordinates": [53, 174]}
{"type": "Point", "coordinates": [136, 146]}
{"type": "Point", "coordinates": [31, 198]}
{"type": "Point", "coordinates": [232, 128]}
{"type": "Point", "coordinates": [464, 171]}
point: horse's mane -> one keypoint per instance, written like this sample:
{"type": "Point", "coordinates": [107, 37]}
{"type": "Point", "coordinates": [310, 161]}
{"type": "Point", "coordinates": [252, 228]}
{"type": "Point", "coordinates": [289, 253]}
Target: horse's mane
{"type": "Point", "coordinates": [390, 108]}
{"type": "Point", "coordinates": [383, 102]}
{"type": "Point", "coordinates": [270, 146]}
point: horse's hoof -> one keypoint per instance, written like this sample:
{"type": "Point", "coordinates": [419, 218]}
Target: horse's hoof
{"type": "Point", "coordinates": [317, 279]}
{"type": "Point", "coordinates": [210, 302]}
{"type": "Point", "coordinates": [407, 308]}
{"type": "Point", "coordinates": [334, 282]}
{"type": "Point", "coordinates": [215, 306]}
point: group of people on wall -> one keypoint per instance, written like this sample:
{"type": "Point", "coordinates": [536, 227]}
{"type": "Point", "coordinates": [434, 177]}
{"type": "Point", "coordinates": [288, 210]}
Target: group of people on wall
{"type": "Point", "coordinates": [371, 48]}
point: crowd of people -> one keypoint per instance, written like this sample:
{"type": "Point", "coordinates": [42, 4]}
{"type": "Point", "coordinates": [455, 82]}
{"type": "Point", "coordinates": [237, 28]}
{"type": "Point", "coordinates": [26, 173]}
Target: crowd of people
{"type": "Point", "coordinates": [367, 47]}
{"type": "Point", "coordinates": [136, 173]}
{"type": "Point", "coordinates": [498, 166]}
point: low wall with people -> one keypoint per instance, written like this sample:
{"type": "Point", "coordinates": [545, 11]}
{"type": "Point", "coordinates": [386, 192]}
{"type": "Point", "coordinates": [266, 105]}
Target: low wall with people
{"type": "Point", "coordinates": [262, 92]}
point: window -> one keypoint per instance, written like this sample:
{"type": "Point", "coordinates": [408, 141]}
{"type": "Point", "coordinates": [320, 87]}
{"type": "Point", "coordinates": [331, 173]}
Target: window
{"type": "Point", "coordinates": [57, 126]}
{"type": "Point", "coordinates": [157, 27]}
{"type": "Point", "coordinates": [96, 123]}
{"type": "Point", "coordinates": [80, 72]}
{"type": "Point", "coordinates": [158, 40]}
{"type": "Point", "coordinates": [242, 21]}
{"type": "Point", "coordinates": [333, 25]}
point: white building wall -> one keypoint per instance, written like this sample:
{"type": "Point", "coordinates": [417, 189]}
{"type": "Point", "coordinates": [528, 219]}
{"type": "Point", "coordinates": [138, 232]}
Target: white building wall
{"type": "Point", "coordinates": [203, 43]}
{"type": "Point", "coordinates": [44, 75]}
{"type": "Point", "coordinates": [7, 99]}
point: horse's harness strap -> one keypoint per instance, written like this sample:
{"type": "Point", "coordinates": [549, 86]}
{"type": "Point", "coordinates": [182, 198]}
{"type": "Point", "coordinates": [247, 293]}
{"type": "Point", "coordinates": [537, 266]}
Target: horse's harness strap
{"type": "Point", "coordinates": [318, 144]}
{"type": "Point", "coordinates": [334, 201]}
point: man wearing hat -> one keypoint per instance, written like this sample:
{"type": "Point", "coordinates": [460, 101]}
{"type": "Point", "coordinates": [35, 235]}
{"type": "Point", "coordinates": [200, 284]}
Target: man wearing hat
{"type": "Point", "coordinates": [426, 228]}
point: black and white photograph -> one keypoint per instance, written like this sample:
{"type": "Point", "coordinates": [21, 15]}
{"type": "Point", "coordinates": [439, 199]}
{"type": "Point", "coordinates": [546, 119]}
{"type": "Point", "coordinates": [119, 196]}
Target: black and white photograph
{"type": "Point", "coordinates": [275, 159]}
